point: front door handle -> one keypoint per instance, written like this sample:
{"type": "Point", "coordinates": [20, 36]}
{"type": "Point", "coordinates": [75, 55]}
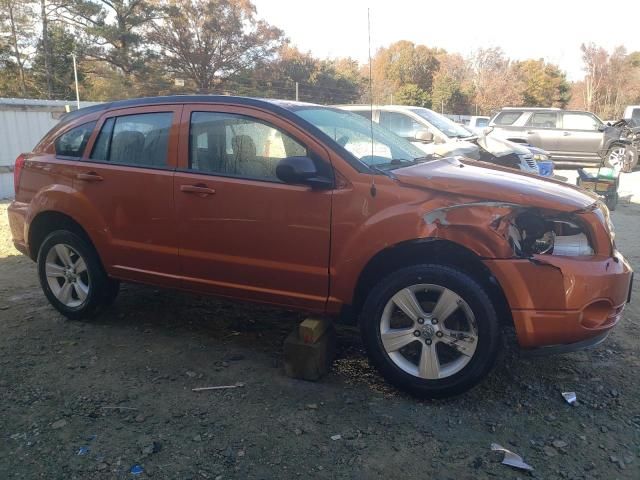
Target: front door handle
{"type": "Point", "coordinates": [565, 134]}
{"type": "Point", "coordinates": [89, 177]}
{"type": "Point", "coordinates": [530, 132]}
{"type": "Point", "coordinates": [199, 188]}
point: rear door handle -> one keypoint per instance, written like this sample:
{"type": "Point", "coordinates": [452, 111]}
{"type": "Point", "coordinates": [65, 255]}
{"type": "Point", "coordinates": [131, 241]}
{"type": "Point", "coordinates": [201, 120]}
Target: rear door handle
{"type": "Point", "coordinates": [565, 134]}
{"type": "Point", "coordinates": [530, 132]}
{"type": "Point", "coordinates": [199, 188]}
{"type": "Point", "coordinates": [89, 177]}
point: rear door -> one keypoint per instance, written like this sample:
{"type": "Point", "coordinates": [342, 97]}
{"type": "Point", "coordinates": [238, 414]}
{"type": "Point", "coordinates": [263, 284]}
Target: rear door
{"type": "Point", "coordinates": [581, 138]}
{"type": "Point", "coordinates": [243, 233]}
{"type": "Point", "coordinates": [126, 179]}
{"type": "Point", "coordinates": [541, 130]}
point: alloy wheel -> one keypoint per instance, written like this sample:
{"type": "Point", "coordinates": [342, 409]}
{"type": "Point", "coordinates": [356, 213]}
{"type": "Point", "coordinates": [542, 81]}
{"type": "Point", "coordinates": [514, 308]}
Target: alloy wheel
{"type": "Point", "coordinates": [428, 331]}
{"type": "Point", "coordinates": [67, 275]}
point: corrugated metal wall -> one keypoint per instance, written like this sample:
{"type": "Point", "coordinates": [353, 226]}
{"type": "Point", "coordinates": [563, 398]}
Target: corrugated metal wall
{"type": "Point", "coordinates": [22, 124]}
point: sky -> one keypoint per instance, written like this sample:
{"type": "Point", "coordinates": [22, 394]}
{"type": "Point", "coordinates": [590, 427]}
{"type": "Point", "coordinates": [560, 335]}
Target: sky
{"type": "Point", "coordinates": [552, 30]}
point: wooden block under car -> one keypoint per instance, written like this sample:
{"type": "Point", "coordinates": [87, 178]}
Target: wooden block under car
{"type": "Point", "coordinates": [309, 361]}
{"type": "Point", "coordinates": [311, 329]}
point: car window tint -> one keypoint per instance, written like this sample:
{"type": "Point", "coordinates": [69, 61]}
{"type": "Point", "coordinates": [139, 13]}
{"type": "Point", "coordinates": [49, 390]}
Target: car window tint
{"type": "Point", "coordinates": [579, 121]}
{"type": "Point", "coordinates": [400, 124]}
{"type": "Point", "coordinates": [137, 140]}
{"type": "Point", "coordinates": [507, 118]}
{"type": "Point", "coordinates": [237, 145]}
{"type": "Point", "coordinates": [543, 120]}
{"type": "Point", "coordinates": [73, 142]}
{"type": "Point", "coordinates": [482, 122]}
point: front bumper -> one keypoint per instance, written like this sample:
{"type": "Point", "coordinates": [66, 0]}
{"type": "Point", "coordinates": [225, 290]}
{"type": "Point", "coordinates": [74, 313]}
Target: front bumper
{"type": "Point", "coordinates": [563, 300]}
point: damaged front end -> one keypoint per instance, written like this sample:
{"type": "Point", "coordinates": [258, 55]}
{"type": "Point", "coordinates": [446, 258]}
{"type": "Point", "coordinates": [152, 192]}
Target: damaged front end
{"type": "Point", "coordinates": [563, 279]}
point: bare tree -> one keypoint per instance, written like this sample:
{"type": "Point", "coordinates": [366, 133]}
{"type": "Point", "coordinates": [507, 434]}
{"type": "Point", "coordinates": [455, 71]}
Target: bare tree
{"type": "Point", "coordinates": [209, 40]}
{"type": "Point", "coordinates": [16, 25]}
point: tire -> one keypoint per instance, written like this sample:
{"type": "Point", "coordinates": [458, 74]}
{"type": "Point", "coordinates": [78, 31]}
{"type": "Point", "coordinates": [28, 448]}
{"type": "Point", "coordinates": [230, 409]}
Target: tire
{"type": "Point", "coordinates": [111, 292]}
{"type": "Point", "coordinates": [616, 155]}
{"type": "Point", "coordinates": [404, 367]}
{"type": "Point", "coordinates": [72, 276]}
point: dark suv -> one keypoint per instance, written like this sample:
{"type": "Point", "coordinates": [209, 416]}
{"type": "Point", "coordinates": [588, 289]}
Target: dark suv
{"type": "Point", "coordinates": [569, 136]}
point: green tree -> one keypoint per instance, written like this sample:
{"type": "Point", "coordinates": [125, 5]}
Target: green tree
{"type": "Point", "coordinates": [543, 84]}
{"type": "Point", "coordinates": [412, 94]}
{"type": "Point", "coordinates": [57, 81]}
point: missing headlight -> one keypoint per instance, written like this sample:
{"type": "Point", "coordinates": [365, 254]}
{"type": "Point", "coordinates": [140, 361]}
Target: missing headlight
{"type": "Point", "coordinates": [532, 233]}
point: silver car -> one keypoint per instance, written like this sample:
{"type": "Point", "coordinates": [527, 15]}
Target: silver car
{"type": "Point", "coordinates": [569, 136]}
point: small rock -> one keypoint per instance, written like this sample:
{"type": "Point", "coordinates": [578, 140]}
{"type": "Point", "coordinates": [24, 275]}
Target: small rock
{"type": "Point", "coordinates": [190, 374]}
{"type": "Point", "coordinates": [604, 429]}
{"type": "Point", "coordinates": [225, 364]}
{"type": "Point", "coordinates": [58, 424]}
{"type": "Point", "coordinates": [298, 432]}
{"type": "Point", "coordinates": [197, 438]}
{"type": "Point", "coordinates": [613, 459]}
{"type": "Point", "coordinates": [614, 393]}
{"type": "Point", "coordinates": [241, 453]}
{"type": "Point", "coordinates": [312, 406]}
{"type": "Point", "coordinates": [235, 357]}
{"type": "Point", "coordinates": [550, 451]}
{"type": "Point", "coordinates": [559, 443]}
{"type": "Point", "coordinates": [336, 437]}
{"type": "Point", "coordinates": [101, 466]}
{"type": "Point", "coordinates": [140, 418]}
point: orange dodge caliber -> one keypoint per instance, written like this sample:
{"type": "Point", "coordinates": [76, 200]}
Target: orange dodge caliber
{"type": "Point", "coordinates": [314, 208]}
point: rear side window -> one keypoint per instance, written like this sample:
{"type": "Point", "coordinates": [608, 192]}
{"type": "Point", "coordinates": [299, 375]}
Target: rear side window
{"type": "Point", "coordinates": [635, 115]}
{"type": "Point", "coordinates": [236, 145]}
{"type": "Point", "coordinates": [543, 120]}
{"type": "Point", "coordinates": [138, 140]}
{"type": "Point", "coordinates": [507, 118]}
{"type": "Point", "coordinates": [482, 122]}
{"type": "Point", "coordinates": [73, 142]}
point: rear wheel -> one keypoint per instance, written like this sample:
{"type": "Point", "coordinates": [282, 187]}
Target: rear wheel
{"type": "Point", "coordinates": [616, 156]}
{"type": "Point", "coordinates": [71, 275]}
{"type": "Point", "coordinates": [430, 330]}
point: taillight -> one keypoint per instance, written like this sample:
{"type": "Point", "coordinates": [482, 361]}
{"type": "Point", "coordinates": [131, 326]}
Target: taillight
{"type": "Point", "coordinates": [17, 171]}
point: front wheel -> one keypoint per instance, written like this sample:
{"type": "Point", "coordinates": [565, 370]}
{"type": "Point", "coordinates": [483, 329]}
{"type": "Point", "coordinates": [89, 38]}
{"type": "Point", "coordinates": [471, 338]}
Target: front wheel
{"type": "Point", "coordinates": [431, 330]}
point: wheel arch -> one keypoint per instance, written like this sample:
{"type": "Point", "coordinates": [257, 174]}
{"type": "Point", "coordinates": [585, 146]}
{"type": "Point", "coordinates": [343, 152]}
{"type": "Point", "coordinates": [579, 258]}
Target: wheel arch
{"type": "Point", "coordinates": [429, 250]}
{"type": "Point", "coordinates": [49, 221]}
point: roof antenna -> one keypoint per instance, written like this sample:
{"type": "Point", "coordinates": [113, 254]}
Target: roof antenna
{"type": "Point", "coordinates": [373, 181]}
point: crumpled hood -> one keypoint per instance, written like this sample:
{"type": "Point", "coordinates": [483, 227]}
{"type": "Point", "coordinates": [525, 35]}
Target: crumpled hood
{"type": "Point", "coordinates": [489, 182]}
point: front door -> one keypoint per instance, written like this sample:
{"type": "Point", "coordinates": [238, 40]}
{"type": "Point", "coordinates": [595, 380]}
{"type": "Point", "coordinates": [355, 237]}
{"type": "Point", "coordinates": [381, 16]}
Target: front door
{"type": "Point", "coordinates": [581, 138]}
{"type": "Point", "coordinates": [126, 179]}
{"type": "Point", "coordinates": [243, 233]}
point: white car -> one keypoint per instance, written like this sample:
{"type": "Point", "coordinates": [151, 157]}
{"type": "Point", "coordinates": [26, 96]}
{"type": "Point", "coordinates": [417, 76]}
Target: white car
{"type": "Point", "coordinates": [477, 123]}
{"type": "Point", "coordinates": [429, 131]}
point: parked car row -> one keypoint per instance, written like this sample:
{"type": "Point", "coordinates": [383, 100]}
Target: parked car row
{"type": "Point", "coordinates": [436, 134]}
{"type": "Point", "coordinates": [316, 209]}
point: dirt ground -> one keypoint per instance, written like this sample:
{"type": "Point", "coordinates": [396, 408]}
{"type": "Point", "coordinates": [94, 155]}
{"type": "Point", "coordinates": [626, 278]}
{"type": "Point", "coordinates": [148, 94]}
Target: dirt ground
{"type": "Point", "coordinates": [92, 400]}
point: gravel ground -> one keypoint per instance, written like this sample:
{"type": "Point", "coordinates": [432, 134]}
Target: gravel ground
{"type": "Point", "coordinates": [92, 400]}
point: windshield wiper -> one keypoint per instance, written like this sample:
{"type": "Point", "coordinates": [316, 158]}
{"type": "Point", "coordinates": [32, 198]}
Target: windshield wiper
{"type": "Point", "coordinates": [383, 171]}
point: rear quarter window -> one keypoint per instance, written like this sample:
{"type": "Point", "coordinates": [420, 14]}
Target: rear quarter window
{"type": "Point", "coordinates": [507, 118]}
{"type": "Point", "coordinates": [73, 142]}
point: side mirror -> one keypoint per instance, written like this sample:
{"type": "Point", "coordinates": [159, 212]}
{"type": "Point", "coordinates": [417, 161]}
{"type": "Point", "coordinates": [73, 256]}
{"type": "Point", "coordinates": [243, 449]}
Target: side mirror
{"type": "Point", "coordinates": [301, 171]}
{"type": "Point", "coordinates": [424, 136]}
{"type": "Point", "coordinates": [602, 128]}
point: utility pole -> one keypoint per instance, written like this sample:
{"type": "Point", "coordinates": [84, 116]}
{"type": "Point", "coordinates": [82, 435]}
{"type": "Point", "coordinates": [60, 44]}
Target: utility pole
{"type": "Point", "coordinates": [75, 75]}
{"type": "Point", "coordinates": [297, 96]}
{"type": "Point", "coordinates": [442, 107]}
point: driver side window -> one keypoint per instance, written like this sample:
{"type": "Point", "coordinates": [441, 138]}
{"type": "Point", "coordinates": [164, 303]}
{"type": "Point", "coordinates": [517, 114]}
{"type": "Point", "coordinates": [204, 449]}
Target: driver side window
{"type": "Point", "coordinates": [236, 145]}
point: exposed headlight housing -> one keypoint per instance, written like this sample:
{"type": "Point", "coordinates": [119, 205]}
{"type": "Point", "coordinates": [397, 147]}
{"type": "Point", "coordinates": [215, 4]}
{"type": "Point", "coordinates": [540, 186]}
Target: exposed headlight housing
{"type": "Point", "coordinates": [540, 157]}
{"type": "Point", "coordinates": [534, 234]}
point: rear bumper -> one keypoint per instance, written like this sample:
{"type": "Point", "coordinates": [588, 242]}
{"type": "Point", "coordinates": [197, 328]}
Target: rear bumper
{"type": "Point", "coordinates": [17, 213]}
{"type": "Point", "coordinates": [563, 300]}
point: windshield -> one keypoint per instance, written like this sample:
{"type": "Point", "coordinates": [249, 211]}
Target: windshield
{"type": "Point", "coordinates": [442, 123]}
{"type": "Point", "coordinates": [353, 132]}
